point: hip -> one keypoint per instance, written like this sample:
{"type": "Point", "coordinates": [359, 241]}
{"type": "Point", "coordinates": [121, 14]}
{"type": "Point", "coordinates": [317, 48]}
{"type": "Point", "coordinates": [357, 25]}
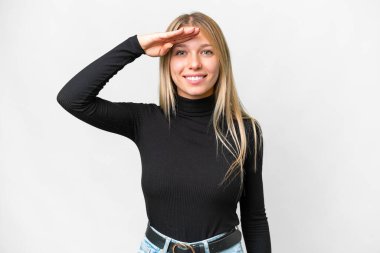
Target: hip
{"type": "Point", "coordinates": [147, 246]}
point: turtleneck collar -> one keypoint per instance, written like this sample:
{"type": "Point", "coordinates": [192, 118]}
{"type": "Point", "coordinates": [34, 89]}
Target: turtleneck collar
{"type": "Point", "coordinates": [195, 107]}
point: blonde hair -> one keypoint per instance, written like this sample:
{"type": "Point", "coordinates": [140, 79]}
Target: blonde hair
{"type": "Point", "coordinates": [228, 108]}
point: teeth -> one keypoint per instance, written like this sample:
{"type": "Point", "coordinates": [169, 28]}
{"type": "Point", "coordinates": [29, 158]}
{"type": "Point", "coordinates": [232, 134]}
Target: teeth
{"type": "Point", "coordinates": [193, 78]}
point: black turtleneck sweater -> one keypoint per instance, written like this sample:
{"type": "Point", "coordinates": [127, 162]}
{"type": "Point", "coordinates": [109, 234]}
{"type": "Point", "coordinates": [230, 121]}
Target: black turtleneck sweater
{"type": "Point", "coordinates": [181, 168]}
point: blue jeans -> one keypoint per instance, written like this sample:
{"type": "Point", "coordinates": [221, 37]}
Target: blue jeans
{"type": "Point", "coordinates": [147, 246]}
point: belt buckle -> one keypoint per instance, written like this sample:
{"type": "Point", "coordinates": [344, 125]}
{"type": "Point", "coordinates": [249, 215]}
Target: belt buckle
{"type": "Point", "coordinates": [187, 246]}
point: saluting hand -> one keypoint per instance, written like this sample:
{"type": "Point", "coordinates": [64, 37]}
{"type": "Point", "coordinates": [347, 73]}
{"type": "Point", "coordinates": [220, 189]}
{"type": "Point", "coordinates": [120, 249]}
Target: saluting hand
{"type": "Point", "coordinates": [158, 44]}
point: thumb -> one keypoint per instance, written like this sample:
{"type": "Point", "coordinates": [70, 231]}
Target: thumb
{"type": "Point", "coordinates": [167, 47]}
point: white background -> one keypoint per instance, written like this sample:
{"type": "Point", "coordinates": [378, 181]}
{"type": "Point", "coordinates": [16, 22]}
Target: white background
{"type": "Point", "coordinates": [307, 70]}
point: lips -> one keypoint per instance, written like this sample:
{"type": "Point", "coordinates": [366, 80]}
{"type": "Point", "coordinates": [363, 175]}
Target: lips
{"type": "Point", "coordinates": [195, 75]}
{"type": "Point", "coordinates": [195, 79]}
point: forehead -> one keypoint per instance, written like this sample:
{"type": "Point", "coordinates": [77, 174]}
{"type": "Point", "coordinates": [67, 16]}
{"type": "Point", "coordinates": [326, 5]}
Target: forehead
{"type": "Point", "coordinates": [198, 41]}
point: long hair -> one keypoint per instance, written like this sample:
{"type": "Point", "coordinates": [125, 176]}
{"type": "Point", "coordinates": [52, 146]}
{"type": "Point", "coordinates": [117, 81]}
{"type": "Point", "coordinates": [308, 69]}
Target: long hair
{"type": "Point", "coordinates": [228, 108]}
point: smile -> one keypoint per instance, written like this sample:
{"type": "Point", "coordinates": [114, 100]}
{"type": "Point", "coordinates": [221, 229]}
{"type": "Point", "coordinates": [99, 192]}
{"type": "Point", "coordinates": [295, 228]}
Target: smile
{"type": "Point", "coordinates": [194, 78]}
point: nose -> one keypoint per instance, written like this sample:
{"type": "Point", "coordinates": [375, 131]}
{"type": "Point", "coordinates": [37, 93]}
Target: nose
{"type": "Point", "coordinates": [195, 62]}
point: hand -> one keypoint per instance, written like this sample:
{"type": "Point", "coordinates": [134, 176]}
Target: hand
{"type": "Point", "coordinates": [158, 44]}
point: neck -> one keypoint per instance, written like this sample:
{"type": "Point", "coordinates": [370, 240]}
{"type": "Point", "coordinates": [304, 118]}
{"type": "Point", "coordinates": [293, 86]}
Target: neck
{"type": "Point", "coordinates": [195, 107]}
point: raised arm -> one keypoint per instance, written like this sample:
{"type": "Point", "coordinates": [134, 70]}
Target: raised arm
{"type": "Point", "coordinates": [79, 95]}
{"type": "Point", "coordinates": [254, 221]}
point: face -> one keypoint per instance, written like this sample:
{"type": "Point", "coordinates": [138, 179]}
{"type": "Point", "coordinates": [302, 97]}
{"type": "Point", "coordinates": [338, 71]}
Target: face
{"type": "Point", "coordinates": [194, 67]}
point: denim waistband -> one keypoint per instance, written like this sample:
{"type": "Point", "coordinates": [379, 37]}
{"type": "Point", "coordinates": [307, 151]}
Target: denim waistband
{"type": "Point", "coordinates": [169, 239]}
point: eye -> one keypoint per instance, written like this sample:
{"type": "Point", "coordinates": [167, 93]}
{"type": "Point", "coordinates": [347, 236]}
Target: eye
{"type": "Point", "coordinates": [178, 51]}
{"type": "Point", "coordinates": [181, 52]}
{"type": "Point", "coordinates": [209, 52]}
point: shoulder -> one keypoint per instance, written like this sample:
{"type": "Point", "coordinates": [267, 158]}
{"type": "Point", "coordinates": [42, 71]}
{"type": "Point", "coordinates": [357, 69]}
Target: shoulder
{"type": "Point", "coordinates": [254, 134]}
{"type": "Point", "coordinates": [252, 125]}
{"type": "Point", "coordinates": [141, 108]}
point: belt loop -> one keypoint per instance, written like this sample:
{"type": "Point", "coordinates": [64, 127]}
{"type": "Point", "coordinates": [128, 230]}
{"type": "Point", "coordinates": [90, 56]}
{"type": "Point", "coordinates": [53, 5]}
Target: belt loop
{"type": "Point", "coordinates": [166, 246]}
{"type": "Point", "coordinates": [205, 245]}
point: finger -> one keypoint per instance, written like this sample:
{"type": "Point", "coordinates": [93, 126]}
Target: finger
{"type": "Point", "coordinates": [169, 45]}
{"type": "Point", "coordinates": [187, 34]}
{"type": "Point", "coordinates": [190, 31]}
{"type": "Point", "coordinates": [167, 35]}
{"type": "Point", "coordinates": [164, 49]}
{"type": "Point", "coordinates": [182, 39]}
{"type": "Point", "coordinates": [184, 31]}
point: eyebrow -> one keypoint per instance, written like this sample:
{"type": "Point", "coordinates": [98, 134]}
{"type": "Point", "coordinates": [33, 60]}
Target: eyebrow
{"type": "Point", "coordinates": [183, 45]}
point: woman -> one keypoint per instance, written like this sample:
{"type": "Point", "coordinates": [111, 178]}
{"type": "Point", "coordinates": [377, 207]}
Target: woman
{"type": "Point", "coordinates": [201, 152]}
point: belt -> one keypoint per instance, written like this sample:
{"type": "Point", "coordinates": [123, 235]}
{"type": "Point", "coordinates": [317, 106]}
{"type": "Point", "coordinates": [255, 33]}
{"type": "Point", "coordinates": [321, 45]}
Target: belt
{"type": "Point", "coordinates": [218, 245]}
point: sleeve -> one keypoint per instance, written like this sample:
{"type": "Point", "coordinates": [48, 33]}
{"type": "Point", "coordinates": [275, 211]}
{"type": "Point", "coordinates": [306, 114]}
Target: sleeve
{"type": "Point", "coordinates": [254, 221]}
{"type": "Point", "coordinates": [79, 95]}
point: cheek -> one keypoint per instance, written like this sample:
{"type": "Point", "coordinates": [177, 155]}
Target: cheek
{"type": "Point", "coordinates": [214, 68]}
{"type": "Point", "coordinates": [176, 67]}
{"type": "Point", "coordinates": [175, 72]}
{"type": "Point", "coordinates": [212, 65]}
